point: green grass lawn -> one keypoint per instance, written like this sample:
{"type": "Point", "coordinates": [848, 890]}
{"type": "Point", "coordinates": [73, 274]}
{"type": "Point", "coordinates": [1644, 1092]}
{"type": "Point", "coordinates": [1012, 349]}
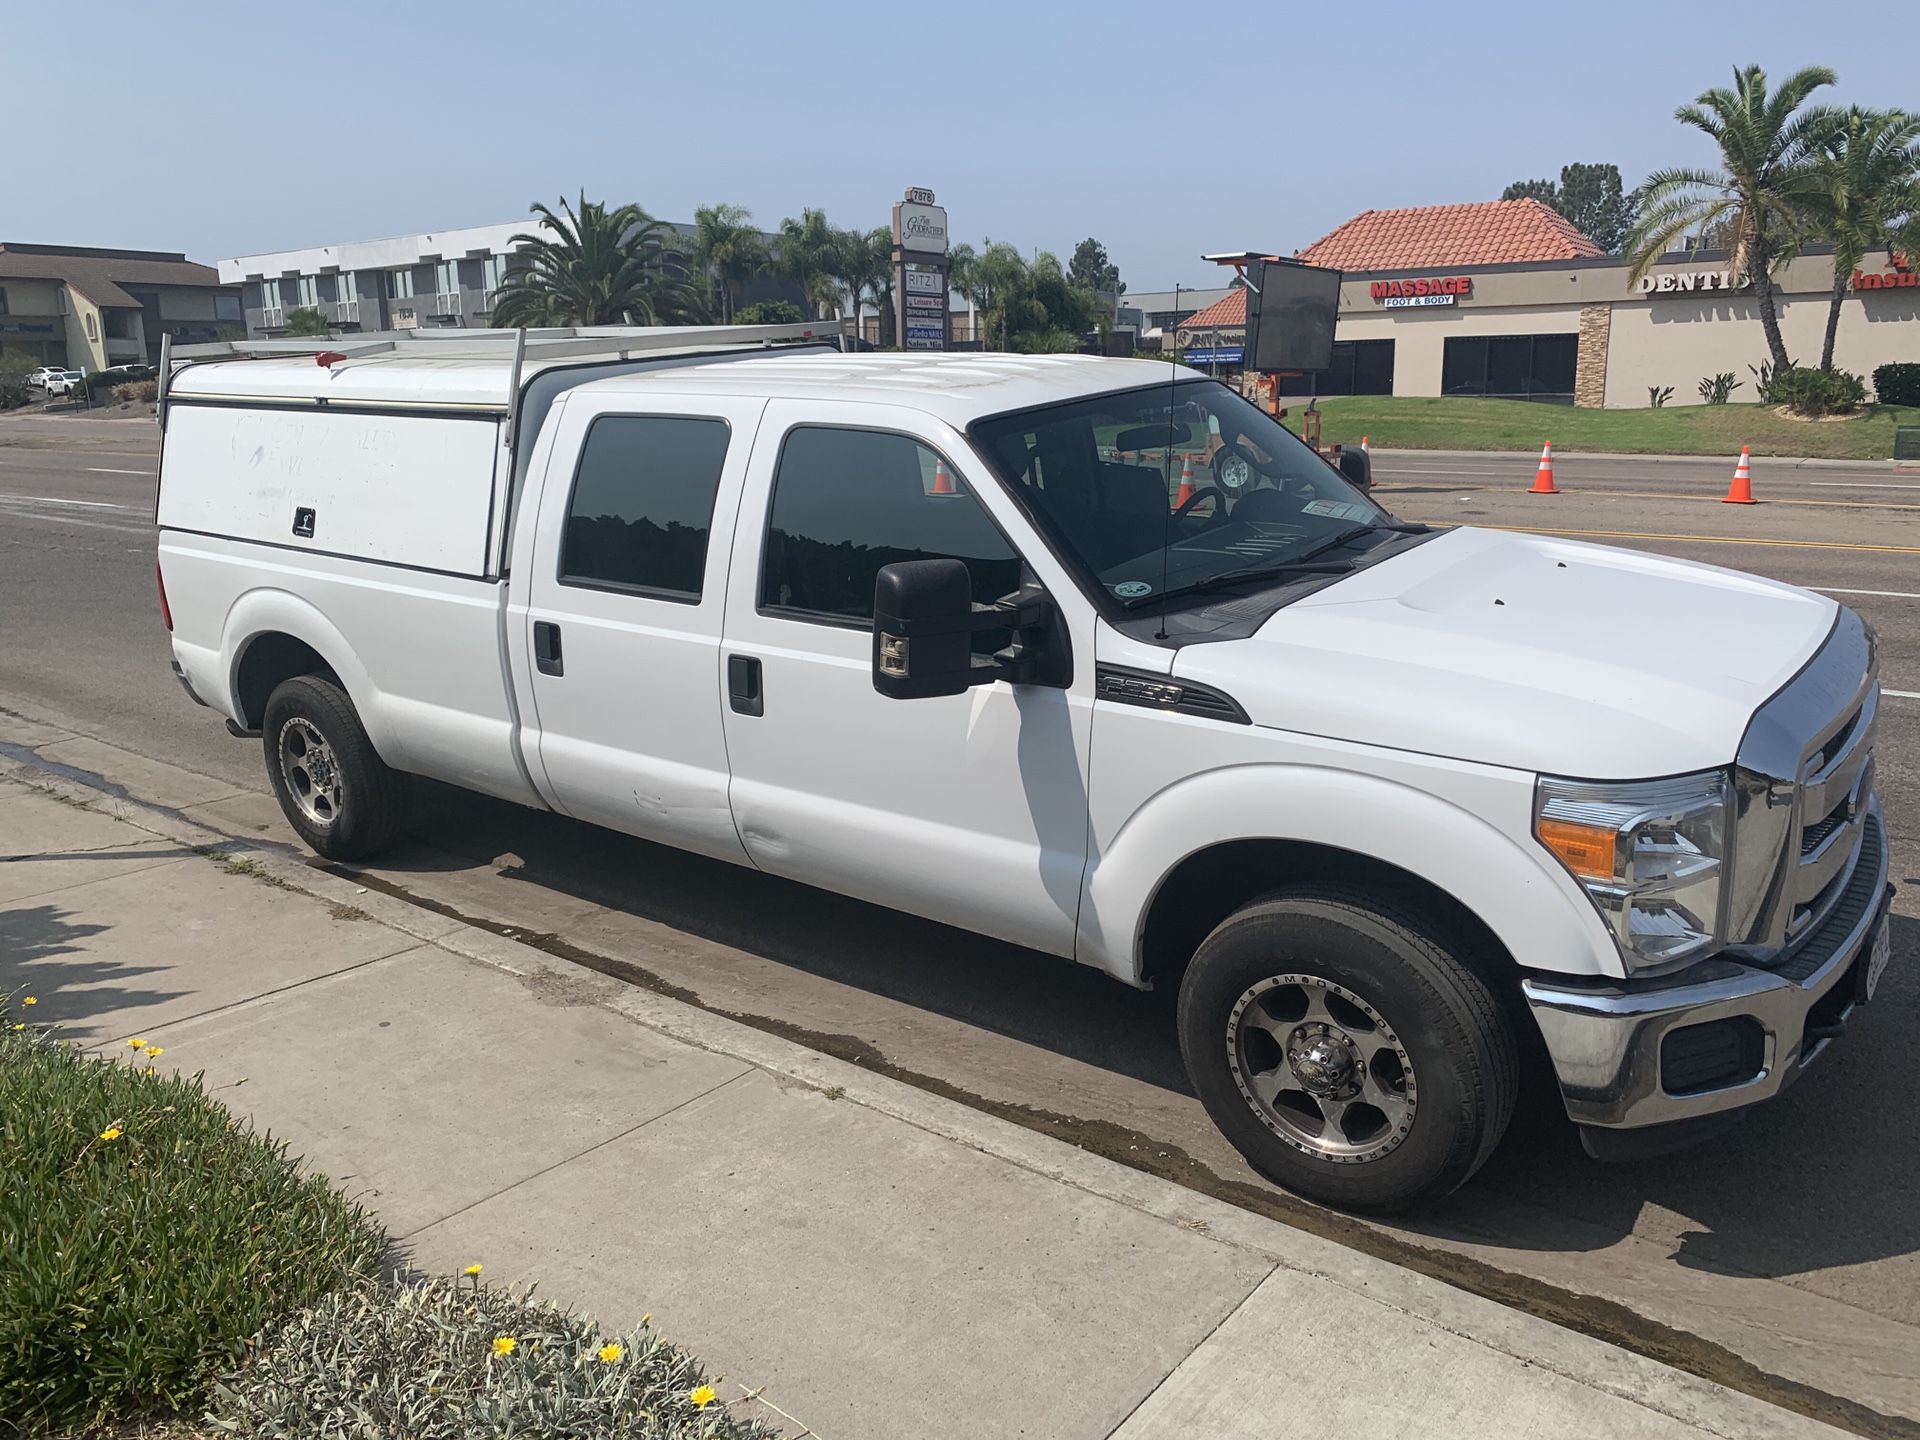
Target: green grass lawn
{"type": "Point", "coordinates": [1416, 422]}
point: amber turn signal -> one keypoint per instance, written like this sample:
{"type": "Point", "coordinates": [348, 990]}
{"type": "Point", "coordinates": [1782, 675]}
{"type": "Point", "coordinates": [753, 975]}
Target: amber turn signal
{"type": "Point", "coordinates": [1589, 851]}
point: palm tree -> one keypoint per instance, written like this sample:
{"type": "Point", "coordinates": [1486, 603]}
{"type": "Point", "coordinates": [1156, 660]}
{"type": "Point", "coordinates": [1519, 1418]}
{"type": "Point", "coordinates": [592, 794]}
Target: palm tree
{"type": "Point", "coordinates": [729, 251]}
{"type": "Point", "coordinates": [880, 238]}
{"type": "Point", "coordinates": [597, 266]}
{"type": "Point", "coordinates": [1864, 193]}
{"type": "Point", "coordinates": [806, 257]}
{"type": "Point", "coordinates": [1766, 152]}
{"type": "Point", "coordinates": [962, 261]}
{"type": "Point", "coordinates": [307, 322]}
{"type": "Point", "coordinates": [859, 264]}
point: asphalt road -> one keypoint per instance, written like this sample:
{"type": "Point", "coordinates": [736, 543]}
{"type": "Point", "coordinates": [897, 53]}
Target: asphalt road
{"type": "Point", "coordinates": [1783, 1258]}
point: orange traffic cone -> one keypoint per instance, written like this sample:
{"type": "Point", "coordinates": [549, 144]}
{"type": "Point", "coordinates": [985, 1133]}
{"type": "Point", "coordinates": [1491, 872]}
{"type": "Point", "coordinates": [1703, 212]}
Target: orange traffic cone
{"type": "Point", "coordinates": [1740, 492]}
{"type": "Point", "coordinates": [1366, 449]}
{"type": "Point", "coordinates": [1543, 478]}
{"type": "Point", "coordinates": [942, 479]}
{"type": "Point", "coordinates": [1186, 482]}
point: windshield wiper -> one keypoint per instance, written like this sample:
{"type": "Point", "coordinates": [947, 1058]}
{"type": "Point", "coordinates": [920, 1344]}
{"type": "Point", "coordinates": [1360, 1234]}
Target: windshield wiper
{"type": "Point", "coordinates": [1302, 564]}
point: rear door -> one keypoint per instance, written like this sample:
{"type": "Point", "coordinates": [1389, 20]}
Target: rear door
{"type": "Point", "coordinates": [621, 634]}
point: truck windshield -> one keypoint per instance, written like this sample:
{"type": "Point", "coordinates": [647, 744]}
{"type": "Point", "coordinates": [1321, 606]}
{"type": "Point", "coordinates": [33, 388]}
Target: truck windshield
{"type": "Point", "coordinates": [1178, 490]}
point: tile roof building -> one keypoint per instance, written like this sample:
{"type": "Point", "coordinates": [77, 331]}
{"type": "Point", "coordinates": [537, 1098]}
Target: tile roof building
{"type": "Point", "coordinates": [84, 306]}
{"type": "Point", "coordinates": [1507, 299]}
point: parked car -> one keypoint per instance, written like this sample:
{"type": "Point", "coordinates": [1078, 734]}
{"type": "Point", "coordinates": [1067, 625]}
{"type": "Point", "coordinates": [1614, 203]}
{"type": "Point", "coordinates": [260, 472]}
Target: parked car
{"type": "Point", "coordinates": [38, 379]}
{"type": "Point", "coordinates": [63, 382]}
{"type": "Point", "coordinates": [950, 633]}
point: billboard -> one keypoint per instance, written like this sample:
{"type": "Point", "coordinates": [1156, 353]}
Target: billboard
{"type": "Point", "coordinates": [1290, 315]}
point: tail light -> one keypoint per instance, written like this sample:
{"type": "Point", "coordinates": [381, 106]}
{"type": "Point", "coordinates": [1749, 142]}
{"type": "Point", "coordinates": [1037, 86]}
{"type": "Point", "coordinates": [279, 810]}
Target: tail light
{"type": "Point", "coordinates": [166, 610]}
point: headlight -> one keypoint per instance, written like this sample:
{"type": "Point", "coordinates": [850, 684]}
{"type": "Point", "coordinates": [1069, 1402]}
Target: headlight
{"type": "Point", "coordinates": [1651, 854]}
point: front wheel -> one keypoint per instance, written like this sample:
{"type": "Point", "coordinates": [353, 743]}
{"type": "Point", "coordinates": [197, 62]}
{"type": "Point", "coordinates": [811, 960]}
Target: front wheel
{"type": "Point", "coordinates": [333, 787]}
{"type": "Point", "coordinates": [1345, 1051]}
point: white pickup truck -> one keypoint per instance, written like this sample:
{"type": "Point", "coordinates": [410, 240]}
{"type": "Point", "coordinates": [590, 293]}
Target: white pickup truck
{"type": "Point", "coordinates": [1393, 807]}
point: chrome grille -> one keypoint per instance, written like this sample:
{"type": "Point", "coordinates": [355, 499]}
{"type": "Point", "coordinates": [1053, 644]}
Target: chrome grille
{"type": "Point", "coordinates": [1805, 781]}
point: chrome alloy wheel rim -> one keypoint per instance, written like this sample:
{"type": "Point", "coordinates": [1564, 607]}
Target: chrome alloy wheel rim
{"type": "Point", "coordinates": [1321, 1068]}
{"type": "Point", "coordinates": [310, 770]}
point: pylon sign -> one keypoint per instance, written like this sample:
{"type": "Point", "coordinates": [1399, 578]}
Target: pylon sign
{"type": "Point", "coordinates": [921, 319]}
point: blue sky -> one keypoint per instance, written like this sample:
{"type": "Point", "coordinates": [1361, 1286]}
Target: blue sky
{"type": "Point", "coordinates": [1166, 130]}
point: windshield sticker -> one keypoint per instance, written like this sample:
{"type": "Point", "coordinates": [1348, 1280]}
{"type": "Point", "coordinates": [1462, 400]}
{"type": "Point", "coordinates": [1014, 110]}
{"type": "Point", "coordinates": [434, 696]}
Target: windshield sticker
{"type": "Point", "coordinates": [1337, 510]}
{"type": "Point", "coordinates": [1132, 589]}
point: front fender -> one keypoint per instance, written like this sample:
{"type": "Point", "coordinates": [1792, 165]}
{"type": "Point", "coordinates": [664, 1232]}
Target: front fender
{"type": "Point", "coordinates": [265, 611]}
{"type": "Point", "coordinates": [1495, 869]}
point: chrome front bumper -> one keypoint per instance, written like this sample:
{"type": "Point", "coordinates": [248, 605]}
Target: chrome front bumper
{"type": "Point", "coordinates": [1609, 1040]}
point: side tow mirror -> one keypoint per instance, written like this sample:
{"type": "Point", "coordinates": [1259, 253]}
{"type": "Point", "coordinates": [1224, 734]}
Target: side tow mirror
{"type": "Point", "coordinates": [924, 621]}
{"type": "Point", "coordinates": [1357, 466]}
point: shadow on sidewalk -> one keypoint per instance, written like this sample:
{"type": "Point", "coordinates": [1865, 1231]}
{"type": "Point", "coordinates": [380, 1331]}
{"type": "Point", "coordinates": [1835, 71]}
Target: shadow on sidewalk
{"type": "Point", "coordinates": [33, 940]}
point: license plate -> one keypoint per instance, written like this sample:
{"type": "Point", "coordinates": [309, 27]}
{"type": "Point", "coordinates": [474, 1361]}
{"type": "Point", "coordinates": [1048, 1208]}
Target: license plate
{"type": "Point", "coordinates": [1878, 955]}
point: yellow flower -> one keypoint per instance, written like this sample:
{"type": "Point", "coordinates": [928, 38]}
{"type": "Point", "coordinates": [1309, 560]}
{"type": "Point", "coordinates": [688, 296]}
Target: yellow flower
{"type": "Point", "coordinates": [610, 1353]}
{"type": "Point", "coordinates": [135, 1043]}
{"type": "Point", "coordinates": [19, 1026]}
{"type": "Point", "coordinates": [701, 1396]}
{"type": "Point", "coordinates": [29, 999]}
{"type": "Point", "coordinates": [153, 1050]}
{"type": "Point", "coordinates": [151, 1070]}
{"type": "Point", "coordinates": [471, 1270]}
{"type": "Point", "coordinates": [505, 1345]}
{"type": "Point", "coordinates": [111, 1133]}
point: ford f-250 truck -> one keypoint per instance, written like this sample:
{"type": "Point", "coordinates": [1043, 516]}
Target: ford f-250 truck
{"type": "Point", "coordinates": [1390, 805]}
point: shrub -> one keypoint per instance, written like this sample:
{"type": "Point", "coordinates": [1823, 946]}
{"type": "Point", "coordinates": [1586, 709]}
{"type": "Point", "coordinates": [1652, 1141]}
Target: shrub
{"type": "Point", "coordinates": [1658, 395]}
{"type": "Point", "coordinates": [431, 1360]}
{"type": "Point", "coordinates": [14, 390]}
{"type": "Point", "coordinates": [1897, 384]}
{"type": "Point", "coordinates": [140, 390]}
{"type": "Point", "coordinates": [768, 312]}
{"type": "Point", "coordinates": [1716, 389]}
{"type": "Point", "coordinates": [144, 1235]}
{"type": "Point", "coordinates": [1807, 391]}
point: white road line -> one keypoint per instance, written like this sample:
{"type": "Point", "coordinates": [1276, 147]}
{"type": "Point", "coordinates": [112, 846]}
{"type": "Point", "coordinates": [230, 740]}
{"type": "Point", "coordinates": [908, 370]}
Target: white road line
{"type": "Point", "coordinates": [1892, 594]}
{"type": "Point", "coordinates": [103, 470]}
{"type": "Point", "coordinates": [1903, 694]}
{"type": "Point", "coordinates": [1863, 485]}
{"type": "Point", "coordinates": [51, 500]}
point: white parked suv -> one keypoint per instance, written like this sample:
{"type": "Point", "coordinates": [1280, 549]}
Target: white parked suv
{"type": "Point", "coordinates": [1391, 806]}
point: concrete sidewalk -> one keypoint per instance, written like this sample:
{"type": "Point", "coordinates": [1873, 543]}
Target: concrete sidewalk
{"type": "Point", "coordinates": [884, 1262]}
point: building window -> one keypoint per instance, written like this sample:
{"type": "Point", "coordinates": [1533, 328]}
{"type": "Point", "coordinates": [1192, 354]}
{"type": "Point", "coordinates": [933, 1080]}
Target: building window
{"type": "Point", "coordinates": [642, 505]}
{"type": "Point", "coordinates": [1360, 367]}
{"type": "Point", "coordinates": [493, 274]}
{"type": "Point", "coordinates": [847, 502]}
{"type": "Point", "coordinates": [3, 300]}
{"type": "Point", "coordinates": [269, 294]}
{"type": "Point", "coordinates": [309, 288]}
{"type": "Point", "coordinates": [227, 307]}
{"type": "Point", "coordinates": [92, 330]}
{"type": "Point", "coordinates": [1512, 367]}
{"type": "Point", "coordinates": [400, 284]}
{"type": "Point", "coordinates": [446, 276]}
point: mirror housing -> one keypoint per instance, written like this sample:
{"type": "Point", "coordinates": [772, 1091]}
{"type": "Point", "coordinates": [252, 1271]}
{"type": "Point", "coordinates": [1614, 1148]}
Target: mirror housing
{"type": "Point", "coordinates": [1356, 466]}
{"type": "Point", "coordinates": [924, 621]}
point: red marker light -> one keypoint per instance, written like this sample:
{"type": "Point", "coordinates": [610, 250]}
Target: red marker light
{"type": "Point", "coordinates": [328, 358]}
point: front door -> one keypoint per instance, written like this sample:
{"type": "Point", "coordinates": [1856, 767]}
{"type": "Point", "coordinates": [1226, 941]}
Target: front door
{"type": "Point", "coordinates": [970, 809]}
{"type": "Point", "coordinates": [621, 633]}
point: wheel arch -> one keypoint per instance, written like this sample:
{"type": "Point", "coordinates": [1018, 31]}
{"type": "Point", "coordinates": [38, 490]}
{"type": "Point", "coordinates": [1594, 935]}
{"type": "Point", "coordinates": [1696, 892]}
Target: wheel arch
{"type": "Point", "coordinates": [272, 636]}
{"type": "Point", "coordinates": [1199, 850]}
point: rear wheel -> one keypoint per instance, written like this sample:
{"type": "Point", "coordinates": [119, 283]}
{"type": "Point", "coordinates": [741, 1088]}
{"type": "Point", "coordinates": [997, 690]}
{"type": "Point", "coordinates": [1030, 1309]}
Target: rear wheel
{"type": "Point", "coordinates": [332, 785]}
{"type": "Point", "coordinates": [1344, 1049]}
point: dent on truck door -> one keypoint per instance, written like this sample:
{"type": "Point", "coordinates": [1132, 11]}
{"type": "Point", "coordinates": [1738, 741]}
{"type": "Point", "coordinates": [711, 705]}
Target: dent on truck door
{"type": "Point", "coordinates": [624, 614]}
{"type": "Point", "coordinates": [970, 809]}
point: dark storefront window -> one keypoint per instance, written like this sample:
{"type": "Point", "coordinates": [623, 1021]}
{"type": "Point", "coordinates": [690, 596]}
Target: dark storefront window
{"type": "Point", "coordinates": [1510, 367]}
{"type": "Point", "coordinates": [1360, 367]}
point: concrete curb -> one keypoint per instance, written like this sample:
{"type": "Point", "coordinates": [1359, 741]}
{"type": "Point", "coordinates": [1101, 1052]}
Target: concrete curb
{"type": "Point", "coordinates": [1559, 453]}
{"type": "Point", "coordinates": [1580, 1359]}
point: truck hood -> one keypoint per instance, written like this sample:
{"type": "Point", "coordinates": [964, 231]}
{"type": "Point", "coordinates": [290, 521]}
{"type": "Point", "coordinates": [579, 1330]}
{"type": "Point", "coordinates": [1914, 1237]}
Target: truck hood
{"type": "Point", "coordinates": [1536, 653]}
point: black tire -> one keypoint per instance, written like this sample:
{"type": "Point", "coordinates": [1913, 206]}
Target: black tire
{"type": "Point", "coordinates": [365, 805]}
{"type": "Point", "coordinates": [1444, 1017]}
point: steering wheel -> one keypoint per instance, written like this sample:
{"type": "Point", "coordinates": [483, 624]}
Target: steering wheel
{"type": "Point", "coordinates": [1219, 502]}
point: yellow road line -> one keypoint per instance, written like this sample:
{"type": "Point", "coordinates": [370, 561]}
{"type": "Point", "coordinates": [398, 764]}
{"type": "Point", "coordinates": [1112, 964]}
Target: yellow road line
{"type": "Point", "coordinates": [1686, 539]}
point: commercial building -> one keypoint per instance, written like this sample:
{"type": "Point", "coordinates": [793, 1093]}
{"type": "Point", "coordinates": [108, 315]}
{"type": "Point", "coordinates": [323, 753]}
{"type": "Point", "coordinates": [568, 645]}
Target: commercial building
{"type": "Point", "coordinates": [85, 307]}
{"type": "Point", "coordinates": [444, 278]}
{"type": "Point", "coordinates": [1507, 299]}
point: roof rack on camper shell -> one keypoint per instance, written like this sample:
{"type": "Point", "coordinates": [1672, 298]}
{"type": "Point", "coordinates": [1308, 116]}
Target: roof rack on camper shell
{"type": "Point", "coordinates": [458, 369]}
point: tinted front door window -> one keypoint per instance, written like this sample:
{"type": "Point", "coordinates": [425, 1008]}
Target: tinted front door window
{"type": "Point", "coordinates": [643, 504]}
